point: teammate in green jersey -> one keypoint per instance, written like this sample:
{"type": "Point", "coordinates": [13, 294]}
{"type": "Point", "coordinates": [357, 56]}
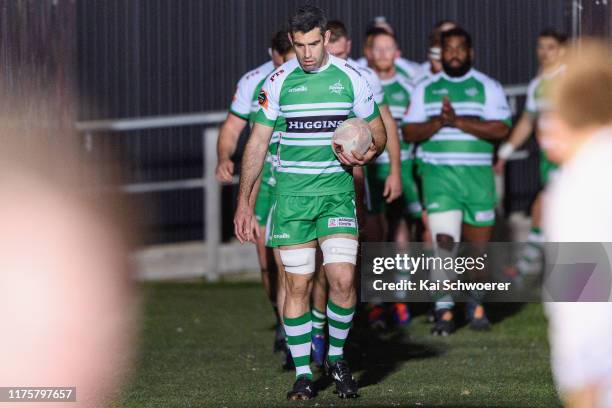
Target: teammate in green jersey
{"type": "Point", "coordinates": [550, 50]}
{"type": "Point", "coordinates": [242, 111]}
{"type": "Point", "coordinates": [457, 115]}
{"type": "Point", "coordinates": [308, 98]}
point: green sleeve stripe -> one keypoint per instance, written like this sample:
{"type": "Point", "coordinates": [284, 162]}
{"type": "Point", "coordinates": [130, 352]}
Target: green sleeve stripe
{"type": "Point", "coordinates": [374, 114]}
{"type": "Point", "coordinates": [240, 115]}
{"type": "Point", "coordinates": [263, 120]}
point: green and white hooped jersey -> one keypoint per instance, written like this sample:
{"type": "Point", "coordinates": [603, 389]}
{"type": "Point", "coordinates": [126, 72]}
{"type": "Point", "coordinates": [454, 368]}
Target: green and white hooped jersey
{"type": "Point", "coordinates": [536, 92]}
{"type": "Point", "coordinates": [472, 95]}
{"type": "Point", "coordinates": [244, 102]}
{"type": "Point", "coordinates": [397, 92]}
{"type": "Point", "coordinates": [307, 107]}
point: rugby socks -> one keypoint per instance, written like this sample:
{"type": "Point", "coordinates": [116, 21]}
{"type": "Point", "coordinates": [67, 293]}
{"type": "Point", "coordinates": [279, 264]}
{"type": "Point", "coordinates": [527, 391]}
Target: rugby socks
{"type": "Point", "coordinates": [531, 253]}
{"type": "Point", "coordinates": [339, 322]}
{"type": "Point", "coordinates": [318, 321]}
{"type": "Point", "coordinates": [299, 332]}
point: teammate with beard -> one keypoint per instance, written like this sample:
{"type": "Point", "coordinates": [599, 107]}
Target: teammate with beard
{"type": "Point", "coordinates": [457, 115]}
{"type": "Point", "coordinates": [242, 111]}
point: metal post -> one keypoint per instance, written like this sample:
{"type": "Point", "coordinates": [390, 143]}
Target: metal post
{"type": "Point", "coordinates": [212, 204]}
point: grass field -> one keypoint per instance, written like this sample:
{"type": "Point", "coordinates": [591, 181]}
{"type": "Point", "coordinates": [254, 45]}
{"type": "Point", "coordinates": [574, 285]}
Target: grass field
{"type": "Point", "coordinates": [210, 346]}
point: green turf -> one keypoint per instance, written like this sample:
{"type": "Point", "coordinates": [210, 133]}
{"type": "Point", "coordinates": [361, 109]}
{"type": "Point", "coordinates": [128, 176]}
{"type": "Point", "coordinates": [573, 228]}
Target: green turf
{"type": "Point", "coordinates": [210, 346]}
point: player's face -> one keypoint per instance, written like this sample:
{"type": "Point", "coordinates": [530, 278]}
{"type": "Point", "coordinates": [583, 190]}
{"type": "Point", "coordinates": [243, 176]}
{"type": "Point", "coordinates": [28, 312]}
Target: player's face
{"type": "Point", "coordinates": [384, 52]}
{"type": "Point", "coordinates": [339, 48]}
{"type": "Point", "coordinates": [310, 48]}
{"type": "Point", "coordinates": [456, 56]}
{"type": "Point", "coordinates": [367, 50]}
{"type": "Point", "coordinates": [549, 51]}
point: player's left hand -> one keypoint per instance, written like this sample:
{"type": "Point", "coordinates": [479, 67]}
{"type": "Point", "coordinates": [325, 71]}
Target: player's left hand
{"type": "Point", "coordinates": [355, 159]}
{"type": "Point", "coordinates": [245, 224]}
{"type": "Point", "coordinates": [448, 113]}
{"type": "Point", "coordinates": [393, 187]}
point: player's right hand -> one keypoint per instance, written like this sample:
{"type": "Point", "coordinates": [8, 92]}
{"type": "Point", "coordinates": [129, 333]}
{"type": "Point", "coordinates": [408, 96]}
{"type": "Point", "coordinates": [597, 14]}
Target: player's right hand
{"type": "Point", "coordinates": [225, 170]}
{"type": "Point", "coordinates": [499, 166]}
{"type": "Point", "coordinates": [245, 224]}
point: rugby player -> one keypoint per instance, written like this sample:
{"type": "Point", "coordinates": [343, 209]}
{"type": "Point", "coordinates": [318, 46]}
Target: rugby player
{"type": "Point", "coordinates": [577, 132]}
{"type": "Point", "coordinates": [550, 51]}
{"type": "Point", "coordinates": [242, 111]}
{"type": "Point", "coordinates": [457, 115]}
{"type": "Point", "coordinates": [309, 97]}
{"type": "Point", "coordinates": [397, 91]}
{"type": "Point", "coordinates": [340, 46]}
{"type": "Point", "coordinates": [408, 69]}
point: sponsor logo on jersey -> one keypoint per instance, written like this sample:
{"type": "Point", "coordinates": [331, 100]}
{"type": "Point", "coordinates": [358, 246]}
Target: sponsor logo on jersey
{"type": "Point", "coordinates": [263, 99]}
{"type": "Point", "coordinates": [276, 75]}
{"type": "Point", "coordinates": [298, 89]}
{"type": "Point", "coordinates": [398, 96]}
{"type": "Point", "coordinates": [284, 235]}
{"type": "Point", "coordinates": [323, 125]}
{"type": "Point", "coordinates": [433, 206]}
{"type": "Point", "coordinates": [252, 73]}
{"type": "Point", "coordinates": [336, 88]}
{"type": "Point", "coordinates": [483, 216]}
{"type": "Point", "coordinates": [471, 92]}
{"type": "Point", "coordinates": [442, 91]}
{"type": "Point", "coordinates": [341, 222]}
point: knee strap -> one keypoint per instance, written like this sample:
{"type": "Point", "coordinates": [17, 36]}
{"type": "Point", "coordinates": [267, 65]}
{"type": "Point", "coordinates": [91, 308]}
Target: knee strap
{"type": "Point", "coordinates": [339, 250]}
{"type": "Point", "coordinates": [300, 261]}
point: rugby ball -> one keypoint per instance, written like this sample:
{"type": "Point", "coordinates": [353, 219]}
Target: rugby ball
{"type": "Point", "coordinates": [352, 134]}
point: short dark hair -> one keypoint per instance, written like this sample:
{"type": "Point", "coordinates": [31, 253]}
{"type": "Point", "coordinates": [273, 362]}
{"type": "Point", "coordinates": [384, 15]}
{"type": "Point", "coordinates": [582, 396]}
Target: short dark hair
{"type": "Point", "coordinates": [559, 36]}
{"type": "Point", "coordinates": [456, 32]}
{"type": "Point", "coordinates": [337, 30]}
{"type": "Point", "coordinates": [307, 18]}
{"type": "Point", "coordinates": [380, 32]}
{"type": "Point", "coordinates": [280, 42]}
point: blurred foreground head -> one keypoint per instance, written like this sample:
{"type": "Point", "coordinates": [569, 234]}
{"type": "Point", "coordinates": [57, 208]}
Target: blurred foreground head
{"type": "Point", "coordinates": [66, 303]}
{"type": "Point", "coordinates": [581, 100]}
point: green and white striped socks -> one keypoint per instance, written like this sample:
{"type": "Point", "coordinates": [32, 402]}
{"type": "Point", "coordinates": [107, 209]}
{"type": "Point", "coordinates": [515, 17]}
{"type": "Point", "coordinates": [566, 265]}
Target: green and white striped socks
{"type": "Point", "coordinates": [299, 335]}
{"type": "Point", "coordinates": [318, 321]}
{"type": "Point", "coordinates": [340, 320]}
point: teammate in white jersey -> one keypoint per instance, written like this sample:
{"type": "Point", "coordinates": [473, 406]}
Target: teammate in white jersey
{"type": "Point", "coordinates": [577, 133]}
{"type": "Point", "coordinates": [244, 106]}
{"type": "Point", "coordinates": [550, 50]}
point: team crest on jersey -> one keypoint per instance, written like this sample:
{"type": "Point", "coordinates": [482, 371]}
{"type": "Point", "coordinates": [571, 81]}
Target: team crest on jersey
{"type": "Point", "coordinates": [336, 88]}
{"type": "Point", "coordinates": [263, 99]}
{"type": "Point", "coordinates": [471, 92]}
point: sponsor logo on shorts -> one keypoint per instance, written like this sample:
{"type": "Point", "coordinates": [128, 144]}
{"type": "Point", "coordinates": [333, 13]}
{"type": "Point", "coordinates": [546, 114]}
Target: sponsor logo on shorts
{"type": "Point", "coordinates": [341, 222]}
{"type": "Point", "coordinates": [336, 88]}
{"type": "Point", "coordinates": [472, 92]}
{"type": "Point", "coordinates": [302, 88]}
{"type": "Point", "coordinates": [483, 216]}
{"type": "Point", "coordinates": [284, 235]}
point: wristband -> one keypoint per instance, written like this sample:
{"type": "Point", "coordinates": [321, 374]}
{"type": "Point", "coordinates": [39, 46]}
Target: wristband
{"type": "Point", "coordinates": [505, 151]}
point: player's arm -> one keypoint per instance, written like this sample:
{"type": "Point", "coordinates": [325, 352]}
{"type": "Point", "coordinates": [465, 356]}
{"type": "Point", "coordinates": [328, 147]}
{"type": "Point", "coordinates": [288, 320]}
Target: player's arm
{"type": "Point", "coordinates": [520, 133]}
{"type": "Point", "coordinates": [393, 183]}
{"type": "Point", "coordinates": [252, 163]}
{"type": "Point", "coordinates": [226, 146]}
{"type": "Point", "coordinates": [491, 130]}
{"type": "Point", "coordinates": [495, 122]}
